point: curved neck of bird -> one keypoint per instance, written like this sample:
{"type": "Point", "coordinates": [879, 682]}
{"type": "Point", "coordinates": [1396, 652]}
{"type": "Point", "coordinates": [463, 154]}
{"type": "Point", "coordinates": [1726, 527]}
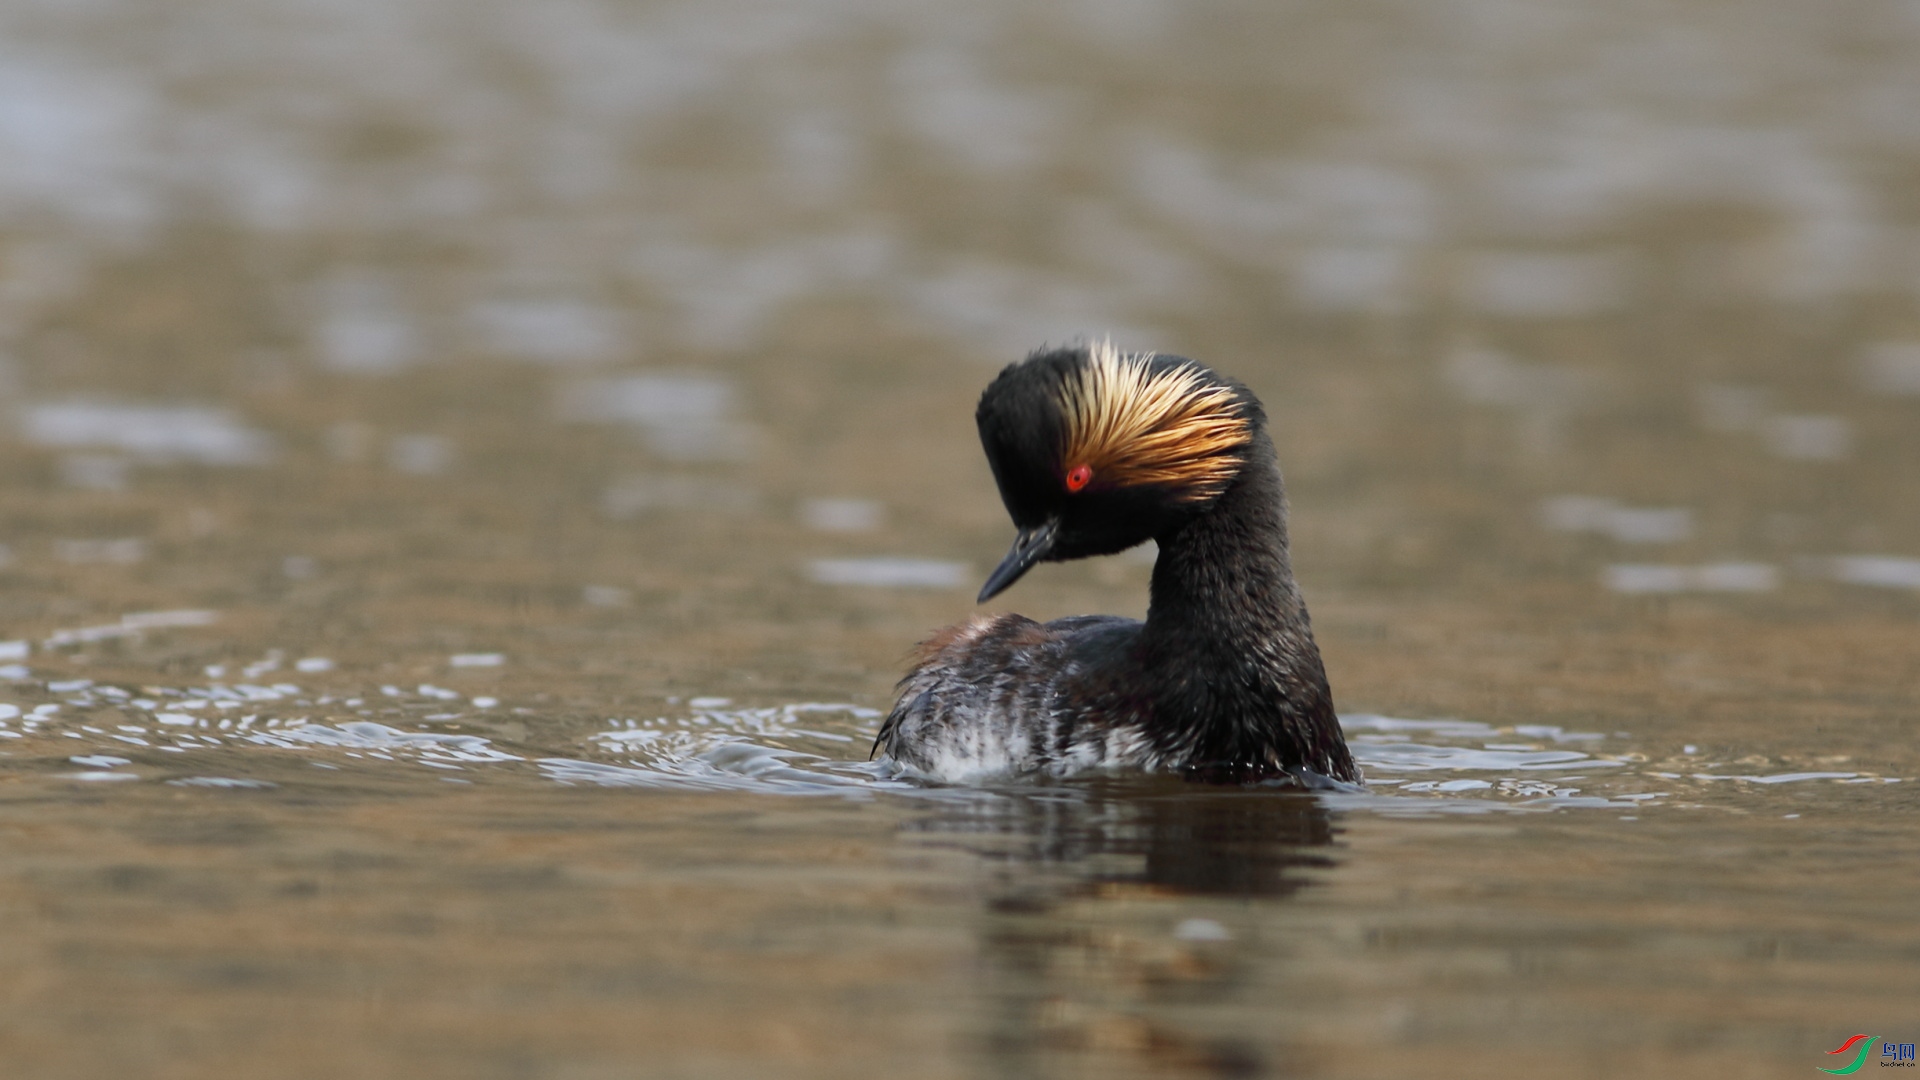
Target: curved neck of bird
{"type": "Point", "coordinates": [1224, 603]}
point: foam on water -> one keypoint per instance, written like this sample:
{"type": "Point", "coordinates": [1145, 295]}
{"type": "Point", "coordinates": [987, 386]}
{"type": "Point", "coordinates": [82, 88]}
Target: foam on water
{"type": "Point", "coordinates": [1733, 577]}
{"type": "Point", "coordinates": [642, 496]}
{"type": "Point", "coordinates": [1511, 283]}
{"type": "Point", "coordinates": [549, 330]}
{"type": "Point", "coordinates": [1891, 368]}
{"type": "Point", "coordinates": [1627, 524]}
{"type": "Point", "coordinates": [1810, 437]}
{"type": "Point", "coordinates": [886, 571]}
{"type": "Point", "coordinates": [842, 515]}
{"type": "Point", "coordinates": [683, 417]}
{"type": "Point", "coordinates": [200, 434]}
{"type": "Point", "coordinates": [1881, 571]}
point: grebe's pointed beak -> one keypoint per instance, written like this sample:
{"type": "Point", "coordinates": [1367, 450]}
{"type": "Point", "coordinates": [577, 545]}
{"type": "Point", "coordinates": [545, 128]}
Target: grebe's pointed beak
{"type": "Point", "coordinates": [1031, 546]}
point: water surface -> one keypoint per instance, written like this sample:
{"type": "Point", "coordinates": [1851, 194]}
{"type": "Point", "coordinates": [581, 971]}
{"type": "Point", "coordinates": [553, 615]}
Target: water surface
{"type": "Point", "coordinates": [476, 471]}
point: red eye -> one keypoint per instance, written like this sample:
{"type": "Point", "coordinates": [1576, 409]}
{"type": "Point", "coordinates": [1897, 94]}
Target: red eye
{"type": "Point", "coordinates": [1079, 477]}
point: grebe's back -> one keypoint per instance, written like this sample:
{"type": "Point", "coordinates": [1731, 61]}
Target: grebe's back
{"type": "Point", "coordinates": [1002, 694]}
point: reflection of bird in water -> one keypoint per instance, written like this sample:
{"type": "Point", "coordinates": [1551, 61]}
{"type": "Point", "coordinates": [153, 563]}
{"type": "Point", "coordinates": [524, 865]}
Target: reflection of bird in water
{"type": "Point", "coordinates": [1085, 884]}
{"type": "Point", "coordinates": [1095, 451]}
{"type": "Point", "coordinates": [1171, 837]}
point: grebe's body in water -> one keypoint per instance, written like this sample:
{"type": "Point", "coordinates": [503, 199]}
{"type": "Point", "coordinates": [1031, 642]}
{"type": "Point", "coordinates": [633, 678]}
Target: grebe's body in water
{"type": "Point", "coordinates": [1096, 451]}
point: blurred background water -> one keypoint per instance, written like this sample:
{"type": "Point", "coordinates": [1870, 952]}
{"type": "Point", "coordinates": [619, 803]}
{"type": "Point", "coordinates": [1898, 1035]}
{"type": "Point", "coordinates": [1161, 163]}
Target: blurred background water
{"type": "Point", "coordinates": [475, 471]}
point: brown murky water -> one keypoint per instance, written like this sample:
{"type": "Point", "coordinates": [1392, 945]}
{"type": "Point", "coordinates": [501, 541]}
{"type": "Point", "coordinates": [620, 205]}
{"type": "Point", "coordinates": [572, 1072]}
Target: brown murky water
{"type": "Point", "coordinates": [476, 470]}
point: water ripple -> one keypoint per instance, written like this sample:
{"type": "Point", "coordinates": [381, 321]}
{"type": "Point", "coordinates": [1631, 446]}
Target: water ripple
{"type": "Point", "coordinates": [165, 734]}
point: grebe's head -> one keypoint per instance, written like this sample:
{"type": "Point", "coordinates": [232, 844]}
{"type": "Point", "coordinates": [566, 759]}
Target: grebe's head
{"type": "Point", "coordinates": [1096, 450]}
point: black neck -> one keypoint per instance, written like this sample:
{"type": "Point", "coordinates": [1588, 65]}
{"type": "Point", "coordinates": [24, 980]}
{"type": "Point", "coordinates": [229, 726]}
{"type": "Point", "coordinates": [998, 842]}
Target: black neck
{"type": "Point", "coordinates": [1240, 690]}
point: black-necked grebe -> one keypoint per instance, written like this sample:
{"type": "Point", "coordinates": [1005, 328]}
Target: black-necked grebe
{"type": "Point", "coordinates": [1096, 451]}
